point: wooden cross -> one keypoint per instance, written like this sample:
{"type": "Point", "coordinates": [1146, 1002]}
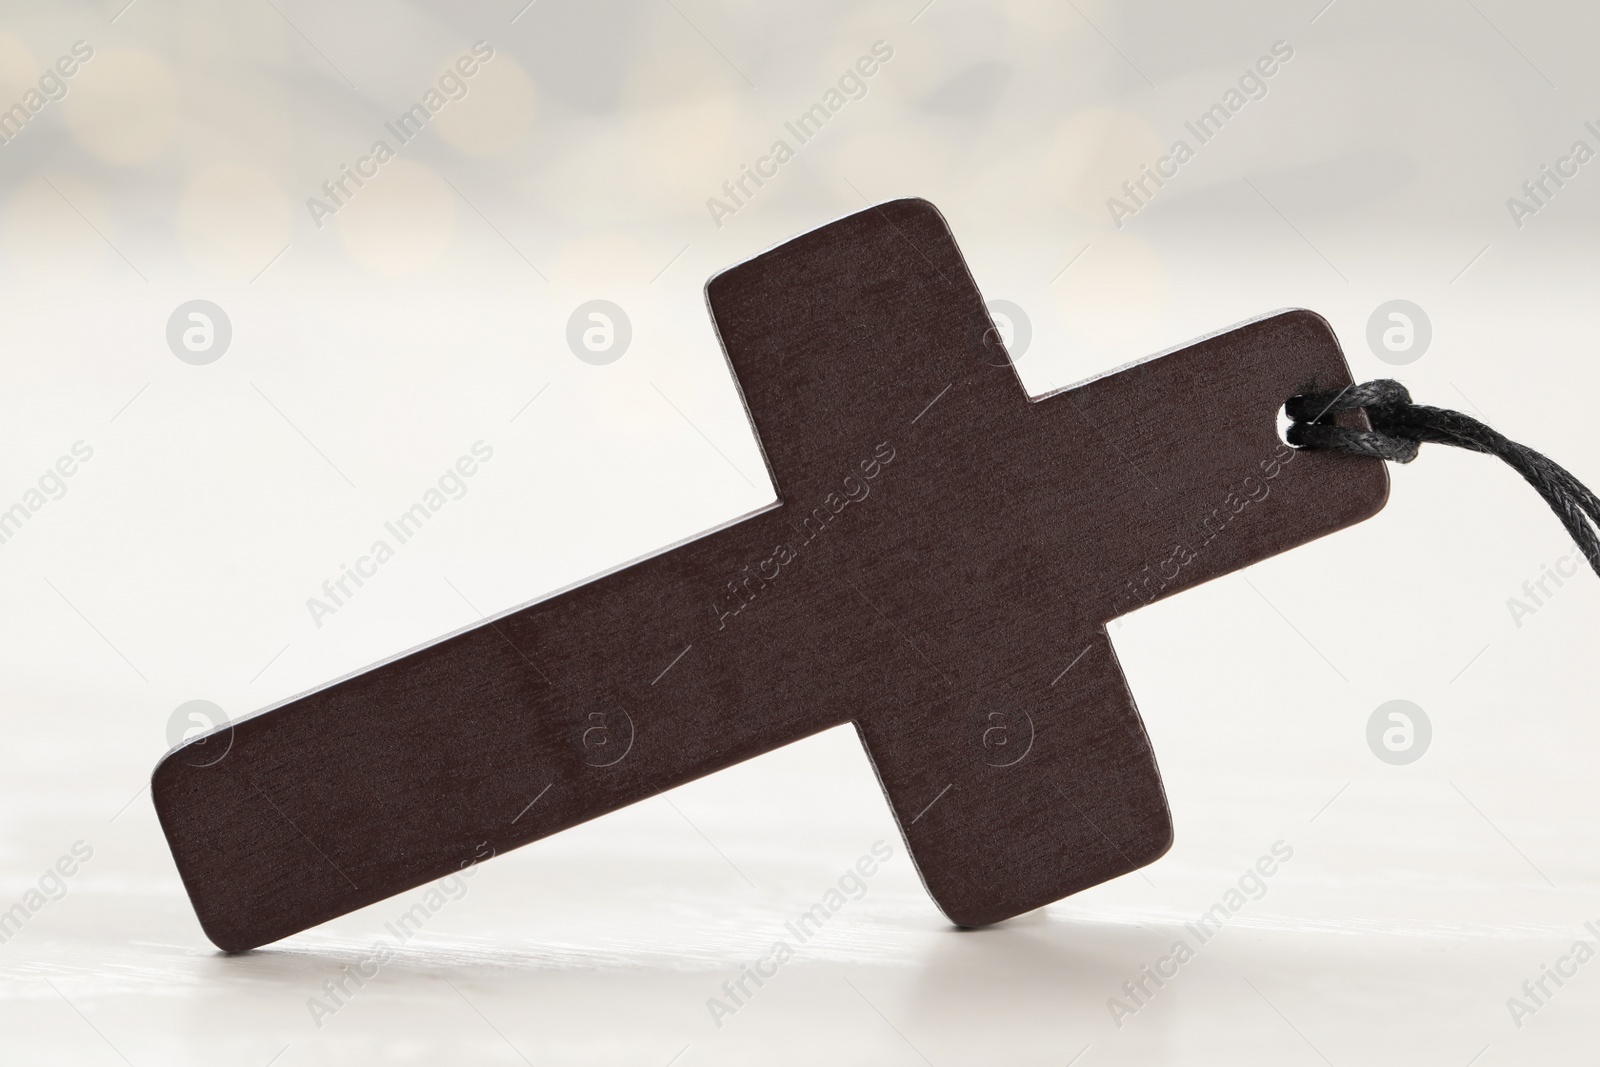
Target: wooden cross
{"type": "Point", "coordinates": [939, 571]}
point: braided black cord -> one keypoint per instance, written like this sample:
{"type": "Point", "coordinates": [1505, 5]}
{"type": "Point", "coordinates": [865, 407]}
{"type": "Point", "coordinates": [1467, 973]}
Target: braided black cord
{"type": "Point", "coordinates": [1399, 427]}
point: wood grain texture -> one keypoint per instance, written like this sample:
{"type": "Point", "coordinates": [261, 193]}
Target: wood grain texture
{"type": "Point", "coordinates": [939, 571]}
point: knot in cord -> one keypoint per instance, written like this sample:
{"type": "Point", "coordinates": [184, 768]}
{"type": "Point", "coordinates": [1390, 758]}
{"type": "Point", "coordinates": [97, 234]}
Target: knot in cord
{"type": "Point", "coordinates": [1383, 400]}
{"type": "Point", "coordinates": [1399, 427]}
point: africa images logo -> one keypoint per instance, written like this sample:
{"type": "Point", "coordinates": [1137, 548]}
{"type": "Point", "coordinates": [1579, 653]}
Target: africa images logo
{"type": "Point", "coordinates": [741, 592]}
{"type": "Point", "coordinates": [52, 86]}
{"type": "Point", "coordinates": [451, 85]}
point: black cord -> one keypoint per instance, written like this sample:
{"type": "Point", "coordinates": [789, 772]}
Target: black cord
{"type": "Point", "coordinates": [1399, 427]}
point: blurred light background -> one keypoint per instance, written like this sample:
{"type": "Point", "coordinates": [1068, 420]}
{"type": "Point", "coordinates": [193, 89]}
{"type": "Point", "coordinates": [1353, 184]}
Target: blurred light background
{"type": "Point", "coordinates": [375, 338]}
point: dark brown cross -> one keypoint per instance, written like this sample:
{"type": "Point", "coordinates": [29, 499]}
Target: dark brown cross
{"type": "Point", "coordinates": [939, 571]}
